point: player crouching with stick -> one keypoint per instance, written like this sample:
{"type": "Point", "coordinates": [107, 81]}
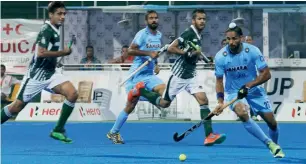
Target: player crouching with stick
{"type": "Point", "coordinates": [239, 63]}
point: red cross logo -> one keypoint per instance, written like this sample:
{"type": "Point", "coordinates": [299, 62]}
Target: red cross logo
{"type": "Point", "coordinates": [7, 29]}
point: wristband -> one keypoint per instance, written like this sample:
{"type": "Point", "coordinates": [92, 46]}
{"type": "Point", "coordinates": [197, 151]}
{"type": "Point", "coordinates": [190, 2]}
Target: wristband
{"type": "Point", "coordinates": [220, 95]}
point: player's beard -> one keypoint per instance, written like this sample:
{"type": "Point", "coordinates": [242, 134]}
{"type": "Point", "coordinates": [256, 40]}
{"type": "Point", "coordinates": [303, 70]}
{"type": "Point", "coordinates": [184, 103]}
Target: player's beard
{"type": "Point", "coordinates": [235, 50]}
{"type": "Point", "coordinates": [153, 26]}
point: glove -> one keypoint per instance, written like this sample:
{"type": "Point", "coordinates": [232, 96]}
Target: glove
{"type": "Point", "coordinates": [243, 91]}
{"type": "Point", "coordinates": [194, 46]}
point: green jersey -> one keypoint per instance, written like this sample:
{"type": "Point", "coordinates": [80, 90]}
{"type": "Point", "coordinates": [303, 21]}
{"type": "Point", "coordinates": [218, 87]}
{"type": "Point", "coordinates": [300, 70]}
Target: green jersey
{"type": "Point", "coordinates": [42, 68]}
{"type": "Point", "coordinates": [185, 66]}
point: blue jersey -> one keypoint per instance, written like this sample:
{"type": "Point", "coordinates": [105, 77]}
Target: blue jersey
{"type": "Point", "coordinates": [239, 69]}
{"type": "Point", "coordinates": [146, 41]}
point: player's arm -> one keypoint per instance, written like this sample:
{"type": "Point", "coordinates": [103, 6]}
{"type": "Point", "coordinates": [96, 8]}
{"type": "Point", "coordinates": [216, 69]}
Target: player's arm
{"type": "Point", "coordinates": [136, 43]}
{"type": "Point", "coordinates": [134, 51]}
{"type": "Point", "coordinates": [262, 67]}
{"type": "Point", "coordinates": [264, 75]}
{"type": "Point", "coordinates": [219, 73]}
{"type": "Point", "coordinates": [220, 90]}
{"type": "Point", "coordinates": [174, 48]}
{"type": "Point", "coordinates": [43, 44]}
{"type": "Point", "coordinates": [220, 95]}
{"type": "Point", "coordinates": [43, 52]}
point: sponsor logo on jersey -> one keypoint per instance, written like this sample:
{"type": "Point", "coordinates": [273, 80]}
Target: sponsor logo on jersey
{"type": "Point", "coordinates": [148, 45]}
{"type": "Point", "coordinates": [237, 68]}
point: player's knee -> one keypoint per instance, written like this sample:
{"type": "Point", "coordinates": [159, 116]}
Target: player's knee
{"type": "Point", "coordinates": [202, 98]}
{"type": "Point", "coordinates": [72, 96]}
{"type": "Point", "coordinates": [205, 100]}
{"type": "Point", "coordinates": [241, 112]}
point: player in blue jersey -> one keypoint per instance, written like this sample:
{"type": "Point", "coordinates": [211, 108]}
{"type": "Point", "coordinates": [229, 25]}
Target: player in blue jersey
{"type": "Point", "coordinates": [239, 63]}
{"type": "Point", "coordinates": [144, 46]}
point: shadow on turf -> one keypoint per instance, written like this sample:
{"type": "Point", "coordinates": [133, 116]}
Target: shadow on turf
{"type": "Point", "coordinates": [255, 147]}
{"type": "Point", "coordinates": [97, 156]}
{"type": "Point", "coordinates": [150, 142]}
{"type": "Point", "coordinates": [292, 160]}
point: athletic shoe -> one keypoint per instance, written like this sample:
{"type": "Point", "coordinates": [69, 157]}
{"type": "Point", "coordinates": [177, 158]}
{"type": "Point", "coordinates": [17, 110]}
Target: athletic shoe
{"type": "Point", "coordinates": [60, 136]}
{"type": "Point", "coordinates": [115, 137]}
{"type": "Point", "coordinates": [275, 150]}
{"type": "Point", "coordinates": [212, 139]}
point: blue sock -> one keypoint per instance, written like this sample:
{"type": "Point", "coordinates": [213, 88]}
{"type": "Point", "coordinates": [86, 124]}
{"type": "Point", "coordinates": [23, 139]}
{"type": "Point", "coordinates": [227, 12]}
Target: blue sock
{"type": "Point", "coordinates": [119, 122]}
{"type": "Point", "coordinates": [256, 131]}
{"type": "Point", "coordinates": [274, 135]}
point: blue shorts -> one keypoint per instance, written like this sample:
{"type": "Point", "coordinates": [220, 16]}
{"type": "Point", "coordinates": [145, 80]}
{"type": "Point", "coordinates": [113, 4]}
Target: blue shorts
{"type": "Point", "coordinates": [150, 82]}
{"type": "Point", "coordinates": [257, 100]}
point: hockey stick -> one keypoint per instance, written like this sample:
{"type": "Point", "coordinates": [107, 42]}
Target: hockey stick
{"type": "Point", "coordinates": [178, 137]}
{"type": "Point", "coordinates": [163, 49]}
{"type": "Point", "coordinates": [206, 60]}
{"type": "Point", "coordinates": [72, 41]}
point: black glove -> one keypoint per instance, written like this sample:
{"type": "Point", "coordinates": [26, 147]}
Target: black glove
{"type": "Point", "coordinates": [242, 93]}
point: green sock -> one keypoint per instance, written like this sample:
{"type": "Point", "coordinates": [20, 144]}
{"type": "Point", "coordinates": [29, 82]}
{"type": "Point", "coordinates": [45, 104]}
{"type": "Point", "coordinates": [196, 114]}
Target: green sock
{"type": "Point", "coordinates": [4, 115]}
{"type": "Point", "coordinates": [207, 125]}
{"type": "Point", "coordinates": [65, 113]}
{"type": "Point", "coordinates": [153, 97]}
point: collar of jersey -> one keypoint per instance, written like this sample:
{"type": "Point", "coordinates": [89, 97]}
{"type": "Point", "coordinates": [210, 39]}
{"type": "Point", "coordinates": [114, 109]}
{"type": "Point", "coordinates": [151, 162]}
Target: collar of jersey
{"type": "Point", "coordinates": [196, 32]}
{"type": "Point", "coordinates": [54, 28]}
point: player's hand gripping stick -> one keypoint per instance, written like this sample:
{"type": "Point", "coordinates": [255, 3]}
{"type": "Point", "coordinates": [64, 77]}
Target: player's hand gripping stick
{"type": "Point", "coordinates": [72, 41]}
{"type": "Point", "coordinates": [196, 47]}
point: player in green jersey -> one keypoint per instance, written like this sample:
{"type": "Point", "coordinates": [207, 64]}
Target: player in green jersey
{"type": "Point", "coordinates": [42, 74]}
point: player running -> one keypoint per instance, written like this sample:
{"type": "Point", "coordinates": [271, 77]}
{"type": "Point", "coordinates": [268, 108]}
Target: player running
{"type": "Point", "coordinates": [184, 75]}
{"type": "Point", "coordinates": [42, 75]}
{"type": "Point", "coordinates": [238, 62]}
{"type": "Point", "coordinates": [144, 46]}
